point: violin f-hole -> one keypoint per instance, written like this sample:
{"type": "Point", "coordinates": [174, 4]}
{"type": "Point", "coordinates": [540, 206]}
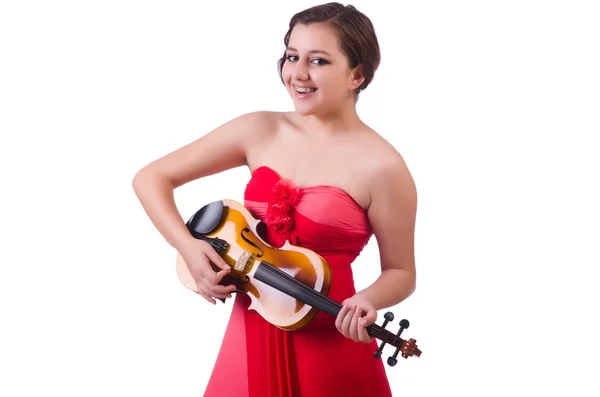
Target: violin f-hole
{"type": "Point", "coordinates": [262, 252]}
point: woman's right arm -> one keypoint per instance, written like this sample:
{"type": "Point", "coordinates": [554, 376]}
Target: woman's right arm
{"type": "Point", "coordinates": [221, 149]}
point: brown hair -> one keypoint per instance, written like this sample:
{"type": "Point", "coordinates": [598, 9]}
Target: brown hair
{"type": "Point", "coordinates": [355, 32]}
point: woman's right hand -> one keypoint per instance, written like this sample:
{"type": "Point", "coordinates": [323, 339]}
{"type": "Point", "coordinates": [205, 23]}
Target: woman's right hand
{"type": "Point", "coordinates": [198, 256]}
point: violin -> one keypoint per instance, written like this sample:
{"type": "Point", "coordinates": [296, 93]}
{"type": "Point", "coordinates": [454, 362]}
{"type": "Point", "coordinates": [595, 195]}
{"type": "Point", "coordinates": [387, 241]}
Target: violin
{"type": "Point", "coordinates": [287, 286]}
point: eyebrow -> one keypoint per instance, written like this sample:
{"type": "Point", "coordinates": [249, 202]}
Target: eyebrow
{"type": "Point", "coordinates": [310, 52]}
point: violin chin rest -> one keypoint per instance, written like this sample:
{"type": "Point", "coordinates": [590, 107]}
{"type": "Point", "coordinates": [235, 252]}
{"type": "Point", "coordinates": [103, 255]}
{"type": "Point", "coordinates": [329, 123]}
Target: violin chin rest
{"type": "Point", "coordinates": [206, 219]}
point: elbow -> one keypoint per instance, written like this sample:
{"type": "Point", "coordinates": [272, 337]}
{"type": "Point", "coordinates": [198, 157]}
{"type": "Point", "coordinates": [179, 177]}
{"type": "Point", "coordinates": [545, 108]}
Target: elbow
{"type": "Point", "coordinates": [137, 181]}
{"type": "Point", "coordinates": [149, 178]}
{"type": "Point", "coordinates": [140, 180]}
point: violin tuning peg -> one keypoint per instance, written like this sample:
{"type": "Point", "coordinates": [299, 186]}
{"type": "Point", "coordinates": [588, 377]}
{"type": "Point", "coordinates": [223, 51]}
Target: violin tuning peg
{"type": "Point", "coordinates": [379, 351]}
{"type": "Point", "coordinates": [392, 359]}
{"type": "Point", "coordinates": [404, 324]}
{"type": "Point", "coordinates": [388, 316]}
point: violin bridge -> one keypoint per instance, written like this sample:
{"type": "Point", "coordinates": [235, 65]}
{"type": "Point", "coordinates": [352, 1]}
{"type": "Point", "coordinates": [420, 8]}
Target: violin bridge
{"type": "Point", "coordinates": [242, 261]}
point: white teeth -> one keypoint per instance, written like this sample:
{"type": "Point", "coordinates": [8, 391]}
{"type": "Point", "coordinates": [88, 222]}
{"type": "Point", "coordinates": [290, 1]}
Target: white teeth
{"type": "Point", "coordinates": [304, 90]}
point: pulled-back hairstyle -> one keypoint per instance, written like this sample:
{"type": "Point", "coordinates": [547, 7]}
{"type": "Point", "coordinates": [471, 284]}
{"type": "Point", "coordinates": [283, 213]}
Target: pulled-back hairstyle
{"type": "Point", "coordinates": [355, 32]}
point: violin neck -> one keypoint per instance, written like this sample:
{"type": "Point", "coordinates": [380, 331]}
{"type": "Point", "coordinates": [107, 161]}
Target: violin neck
{"type": "Point", "coordinates": [287, 284]}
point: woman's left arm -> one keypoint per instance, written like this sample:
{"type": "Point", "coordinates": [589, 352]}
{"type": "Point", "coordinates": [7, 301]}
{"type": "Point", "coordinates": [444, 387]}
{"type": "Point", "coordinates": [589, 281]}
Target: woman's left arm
{"type": "Point", "coordinates": [392, 214]}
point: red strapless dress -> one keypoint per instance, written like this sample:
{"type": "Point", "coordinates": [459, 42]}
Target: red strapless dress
{"type": "Point", "coordinates": [257, 359]}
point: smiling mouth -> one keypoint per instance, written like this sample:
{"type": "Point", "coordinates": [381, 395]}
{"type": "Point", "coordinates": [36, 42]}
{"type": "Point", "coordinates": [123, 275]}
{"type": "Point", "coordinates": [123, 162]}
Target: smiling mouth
{"type": "Point", "coordinates": [304, 90]}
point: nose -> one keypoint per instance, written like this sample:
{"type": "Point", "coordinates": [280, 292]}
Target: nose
{"type": "Point", "coordinates": [300, 71]}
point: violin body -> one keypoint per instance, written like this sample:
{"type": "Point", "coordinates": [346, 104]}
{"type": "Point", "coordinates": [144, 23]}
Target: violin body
{"type": "Point", "coordinates": [245, 253]}
{"type": "Point", "coordinates": [287, 286]}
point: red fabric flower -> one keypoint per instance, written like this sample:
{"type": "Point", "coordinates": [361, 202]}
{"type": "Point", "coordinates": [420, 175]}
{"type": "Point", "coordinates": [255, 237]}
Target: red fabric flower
{"type": "Point", "coordinates": [280, 211]}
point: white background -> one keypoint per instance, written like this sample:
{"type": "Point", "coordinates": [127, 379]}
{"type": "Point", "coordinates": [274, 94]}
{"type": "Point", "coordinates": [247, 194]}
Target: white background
{"type": "Point", "coordinates": [494, 106]}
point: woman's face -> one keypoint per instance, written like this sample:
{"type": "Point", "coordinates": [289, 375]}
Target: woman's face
{"type": "Point", "coordinates": [315, 61]}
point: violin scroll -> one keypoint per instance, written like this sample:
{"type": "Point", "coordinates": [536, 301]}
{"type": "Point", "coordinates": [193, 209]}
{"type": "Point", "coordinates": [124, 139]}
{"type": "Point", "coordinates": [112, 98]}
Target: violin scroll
{"type": "Point", "coordinates": [407, 347]}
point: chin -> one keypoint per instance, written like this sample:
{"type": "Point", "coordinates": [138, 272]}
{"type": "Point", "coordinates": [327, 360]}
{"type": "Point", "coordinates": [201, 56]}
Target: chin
{"type": "Point", "coordinates": [304, 111]}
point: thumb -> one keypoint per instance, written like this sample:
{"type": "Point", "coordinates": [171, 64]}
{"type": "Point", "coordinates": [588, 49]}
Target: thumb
{"type": "Point", "coordinates": [217, 259]}
{"type": "Point", "coordinates": [369, 318]}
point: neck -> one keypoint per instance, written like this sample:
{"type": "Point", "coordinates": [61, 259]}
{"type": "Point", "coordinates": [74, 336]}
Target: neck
{"type": "Point", "coordinates": [338, 120]}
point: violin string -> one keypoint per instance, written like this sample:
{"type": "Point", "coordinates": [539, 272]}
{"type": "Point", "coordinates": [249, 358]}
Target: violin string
{"type": "Point", "coordinates": [334, 306]}
{"type": "Point", "coordinates": [331, 305]}
{"type": "Point", "coordinates": [374, 329]}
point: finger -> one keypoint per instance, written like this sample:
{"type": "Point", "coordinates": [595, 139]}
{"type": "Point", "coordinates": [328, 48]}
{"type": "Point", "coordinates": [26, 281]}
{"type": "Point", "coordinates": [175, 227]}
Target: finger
{"type": "Point", "coordinates": [354, 324]}
{"type": "Point", "coordinates": [346, 322]}
{"type": "Point", "coordinates": [363, 335]}
{"type": "Point", "coordinates": [202, 293]}
{"type": "Point", "coordinates": [369, 318]}
{"type": "Point", "coordinates": [340, 317]}
{"type": "Point", "coordinates": [217, 259]}
{"type": "Point", "coordinates": [222, 289]}
{"type": "Point", "coordinates": [221, 294]}
{"type": "Point", "coordinates": [211, 289]}
{"type": "Point", "coordinates": [363, 323]}
{"type": "Point", "coordinates": [220, 274]}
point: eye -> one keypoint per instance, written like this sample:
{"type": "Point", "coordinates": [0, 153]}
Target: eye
{"type": "Point", "coordinates": [294, 58]}
{"type": "Point", "coordinates": [321, 61]}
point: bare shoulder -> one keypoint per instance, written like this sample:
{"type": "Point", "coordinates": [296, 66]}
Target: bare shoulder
{"type": "Point", "coordinates": [250, 126]}
{"type": "Point", "coordinates": [260, 122]}
{"type": "Point", "coordinates": [386, 168]}
{"type": "Point", "coordinates": [225, 147]}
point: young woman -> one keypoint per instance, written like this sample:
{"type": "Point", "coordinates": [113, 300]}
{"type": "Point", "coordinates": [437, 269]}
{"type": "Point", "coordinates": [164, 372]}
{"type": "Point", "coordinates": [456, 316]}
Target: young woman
{"type": "Point", "coordinates": [322, 179]}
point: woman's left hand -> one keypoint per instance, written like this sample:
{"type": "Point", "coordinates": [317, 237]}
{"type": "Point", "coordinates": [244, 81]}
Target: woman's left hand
{"type": "Point", "coordinates": [356, 315]}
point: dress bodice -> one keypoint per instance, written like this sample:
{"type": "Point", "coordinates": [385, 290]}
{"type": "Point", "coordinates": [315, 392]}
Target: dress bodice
{"type": "Point", "coordinates": [322, 218]}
